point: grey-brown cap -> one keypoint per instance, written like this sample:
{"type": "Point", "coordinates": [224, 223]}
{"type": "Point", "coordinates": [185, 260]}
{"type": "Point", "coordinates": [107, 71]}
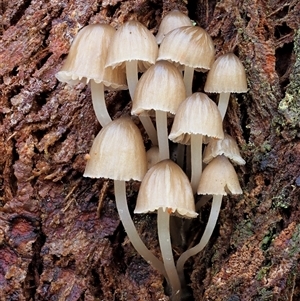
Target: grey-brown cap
{"type": "Point", "coordinates": [189, 46]}
{"type": "Point", "coordinates": [171, 21]}
{"type": "Point", "coordinates": [118, 152]}
{"type": "Point", "coordinates": [227, 75]}
{"type": "Point", "coordinates": [226, 147]}
{"type": "Point", "coordinates": [155, 89]}
{"type": "Point", "coordinates": [87, 57]}
{"type": "Point", "coordinates": [219, 178]}
{"type": "Point", "coordinates": [197, 114]}
{"type": "Point", "coordinates": [166, 186]}
{"type": "Point", "coordinates": [132, 42]}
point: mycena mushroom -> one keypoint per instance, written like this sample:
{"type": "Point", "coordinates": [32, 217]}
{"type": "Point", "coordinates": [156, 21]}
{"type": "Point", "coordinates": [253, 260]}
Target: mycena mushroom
{"type": "Point", "coordinates": [86, 63]}
{"type": "Point", "coordinates": [108, 158]}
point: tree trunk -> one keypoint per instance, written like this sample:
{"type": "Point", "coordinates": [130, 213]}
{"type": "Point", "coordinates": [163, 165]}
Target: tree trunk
{"type": "Point", "coordinates": [60, 235]}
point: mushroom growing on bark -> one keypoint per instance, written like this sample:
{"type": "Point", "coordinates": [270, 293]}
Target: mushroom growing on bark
{"type": "Point", "coordinates": [86, 63]}
{"type": "Point", "coordinates": [122, 162]}
{"type": "Point", "coordinates": [218, 178]}
{"type": "Point", "coordinates": [227, 75]}
{"type": "Point", "coordinates": [166, 188]}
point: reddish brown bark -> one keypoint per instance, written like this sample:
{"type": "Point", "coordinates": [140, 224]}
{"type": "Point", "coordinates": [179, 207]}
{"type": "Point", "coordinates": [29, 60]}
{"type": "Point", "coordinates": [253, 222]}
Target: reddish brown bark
{"type": "Point", "coordinates": [55, 242]}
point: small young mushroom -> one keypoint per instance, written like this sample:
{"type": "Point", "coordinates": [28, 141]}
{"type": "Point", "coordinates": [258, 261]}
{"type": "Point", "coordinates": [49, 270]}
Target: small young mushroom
{"type": "Point", "coordinates": [196, 116]}
{"type": "Point", "coordinates": [122, 162]}
{"type": "Point", "coordinates": [171, 21]}
{"type": "Point", "coordinates": [190, 46]}
{"type": "Point", "coordinates": [227, 75]}
{"type": "Point", "coordinates": [226, 147]}
{"type": "Point", "coordinates": [155, 91]}
{"type": "Point", "coordinates": [218, 178]}
{"type": "Point", "coordinates": [134, 47]}
{"type": "Point", "coordinates": [166, 188]}
{"type": "Point", "coordinates": [86, 63]}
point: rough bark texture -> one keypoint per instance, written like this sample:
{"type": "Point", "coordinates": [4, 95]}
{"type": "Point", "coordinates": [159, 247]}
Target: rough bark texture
{"type": "Point", "coordinates": [60, 236]}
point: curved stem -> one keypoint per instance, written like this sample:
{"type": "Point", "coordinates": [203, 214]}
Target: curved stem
{"type": "Point", "coordinates": [223, 103]}
{"type": "Point", "coordinates": [188, 79]}
{"type": "Point", "coordinates": [99, 105]}
{"type": "Point", "coordinates": [132, 76]}
{"type": "Point", "coordinates": [212, 220]}
{"type": "Point", "coordinates": [163, 225]}
{"type": "Point", "coordinates": [196, 154]}
{"type": "Point", "coordinates": [162, 134]}
{"type": "Point", "coordinates": [149, 128]}
{"type": "Point", "coordinates": [122, 207]}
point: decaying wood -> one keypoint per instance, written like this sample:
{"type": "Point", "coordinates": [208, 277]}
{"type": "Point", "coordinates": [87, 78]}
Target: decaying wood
{"type": "Point", "coordinates": [54, 244]}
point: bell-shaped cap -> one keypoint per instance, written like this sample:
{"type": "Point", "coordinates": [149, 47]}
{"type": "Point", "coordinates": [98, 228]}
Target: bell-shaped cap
{"type": "Point", "coordinates": [197, 114]}
{"type": "Point", "coordinates": [118, 152]}
{"type": "Point", "coordinates": [226, 147]}
{"type": "Point", "coordinates": [227, 75]}
{"type": "Point", "coordinates": [189, 46]}
{"type": "Point", "coordinates": [132, 42]}
{"type": "Point", "coordinates": [155, 89]}
{"type": "Point", "coordinates": [219, 178]}
{"type": "Point", "coordinates": [87, 57]}
{"type": "Point", "coordinates": [171, 21]}
{"type": "Point", "coordinates": [166, 186]}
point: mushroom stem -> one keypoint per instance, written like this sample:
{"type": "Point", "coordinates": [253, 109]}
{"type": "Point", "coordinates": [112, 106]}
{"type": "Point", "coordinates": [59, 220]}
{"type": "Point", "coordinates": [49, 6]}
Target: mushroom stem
{"type": "Point", "coordinates": [99, 105]}
{"type": "Point", "coordinates": [163, 225]}
{"type": "Point", "coordinates": [196, 158]}
{"type": "Point", "coordinates": [149, 128]}
{"type": "Point", "coordinates": [188, 79]}
{"type": "Point", "coordinates": [212, 220]}
{"type": "Point", "coordinates": [162, 134]}
{"type": "Point", "coordinates": [223, 103]}
{"type": "Point", "coordinates": [122, 207]}
{"type": "Point", "coordinates": [132, 80]}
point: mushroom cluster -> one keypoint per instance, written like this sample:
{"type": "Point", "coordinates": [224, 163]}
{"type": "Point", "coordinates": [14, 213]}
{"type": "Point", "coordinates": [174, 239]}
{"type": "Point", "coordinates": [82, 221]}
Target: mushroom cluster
{"type": "Point", "coordinates": [162, 96]}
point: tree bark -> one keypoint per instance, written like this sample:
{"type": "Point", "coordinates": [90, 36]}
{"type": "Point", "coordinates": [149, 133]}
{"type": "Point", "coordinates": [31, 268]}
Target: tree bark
{"type": "Point", "coordinates": [60, 235]}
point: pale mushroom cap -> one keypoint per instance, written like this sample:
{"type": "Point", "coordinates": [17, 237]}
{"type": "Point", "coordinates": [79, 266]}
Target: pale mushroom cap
{"type": "Point", "coordinates": [227, 75]}
{"type": "Point", "coordinates": [166, 186]}
{"type": "Point", "coordinates": [171, 21]}
{"type": "Point", "coordinates": [87, 57]}
{"type": "Point", "coordinates": [189, 46]}
{"type": "Point", "coordinates": [118, 152]}
{"type": "Point", "coordinates": [132, 42]}
{"type": "Point", "coordinates": [226, 147]}
{"type": "Point", "coordinates": [155, 89]}
{"type": "Point", "coordinates": [219, 178]}
{"type": "Point", "coordinates": [197, 114]}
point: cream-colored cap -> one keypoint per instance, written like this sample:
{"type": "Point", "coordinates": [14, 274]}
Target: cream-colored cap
{"type": "Point", "coordinates": [166, 186]}
{"type": "Point", "coordinates": [132, 42]}
{"type": "Point", "coordinates": [87, 57]}
{"type": "Point", "coordinates": [189, 46]}
{"type": "Point", "coordinates": [227, 75]}
{"type": "Point", "coordinates": [197, 114]}
{"type": "Point", "coordinates": [171, 21]}
{"type": "Point", "coordinates": [118, 152]}
{"type": "Point", "coordinates": [226, 147]}
{"type": "Point", "coordinates": [155, 89]}
{"type": "Point", "coordinates": [152, 156]}
{"type": "Point", "coordinates": [219, 178]}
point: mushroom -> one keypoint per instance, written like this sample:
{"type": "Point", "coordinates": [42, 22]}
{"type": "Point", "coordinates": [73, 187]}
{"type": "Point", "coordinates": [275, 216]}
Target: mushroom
{"type": "Point", "coordinates": [166, 188]}
{"type": "Point", "coordinates": [86, 63]}
{"type": "Point", "coordinates": [196, 116]}
{"type": "Point", "coordinates": [155, 91]}
{"type": "Point", "coordinates": [218, 178]}
{"type": "Point", "coordinates": [190, 46]}
{"type": "Point", "coordinates": [171, 21]}
{"type": "Point", "coordinates": [227, 75]}
{"type": "Point", "coordinates": [134, 47]}
{"type": "Point", "coordinates": [226, 147]}
{"type": "Point", "coordinates": [108, 158]}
